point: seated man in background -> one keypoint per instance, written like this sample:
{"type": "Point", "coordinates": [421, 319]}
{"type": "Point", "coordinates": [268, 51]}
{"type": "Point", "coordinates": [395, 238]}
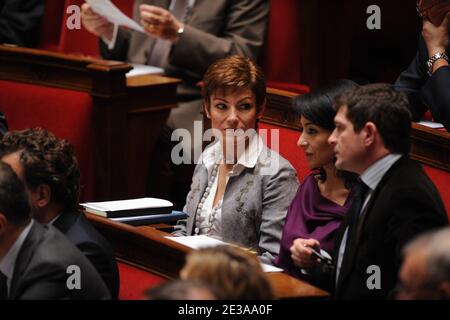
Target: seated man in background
{"type": "Point", "coordinates": [20, 20]}
{"type": "Point", "coordinates": [425, 273]}
{"type": "Point", "coordinates": [394, 199]}
{"type": "Point", "coordinates": [50, 171]}
{"type": "Point", "coordinates": [427, 79]}
{"type": "Point", "coordinates": [184, 37]}
{"type": "Point", "coordinates": [36, 260]}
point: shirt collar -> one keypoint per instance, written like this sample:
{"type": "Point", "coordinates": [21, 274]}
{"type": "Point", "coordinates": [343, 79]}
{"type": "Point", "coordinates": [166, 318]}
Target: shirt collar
{"type": "Point", "coordinates": [213, 154]}
{"type": "Point", "coordinates": [9, 260]}
{"type": "Point", "coordinates": [51, 222]}
{"type": "Point", "coordinates": [373, 175]}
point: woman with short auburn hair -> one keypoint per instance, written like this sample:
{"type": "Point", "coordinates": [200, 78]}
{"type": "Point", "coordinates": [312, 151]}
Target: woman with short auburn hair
{"type": "Point", "coordinates": [241, 189]}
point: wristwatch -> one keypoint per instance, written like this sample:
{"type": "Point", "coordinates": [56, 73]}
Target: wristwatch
{"type": "Point", "coordinates": [433, 59]}
{"type": "Point", "coordinates": [180, 30]}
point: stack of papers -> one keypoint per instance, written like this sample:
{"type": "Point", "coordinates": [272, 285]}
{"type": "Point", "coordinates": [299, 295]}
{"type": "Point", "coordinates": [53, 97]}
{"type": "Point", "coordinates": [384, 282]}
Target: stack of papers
{"type": "Point", "coordinates": [131, 207]}
{"type": "Point", "coordinates": [430, 124]}
{"type": "Point", "coordinates": [141, 69]}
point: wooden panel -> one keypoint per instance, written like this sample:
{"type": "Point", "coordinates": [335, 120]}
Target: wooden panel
{"type": "Point", "coordinates": [146, 247]}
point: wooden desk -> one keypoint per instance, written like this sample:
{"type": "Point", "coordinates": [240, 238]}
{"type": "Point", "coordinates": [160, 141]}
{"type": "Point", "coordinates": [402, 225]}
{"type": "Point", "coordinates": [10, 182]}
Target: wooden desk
{"type": "Point", "coordinates": [148, 248]}
{"type": "Point", "coordinates": [127, 117]}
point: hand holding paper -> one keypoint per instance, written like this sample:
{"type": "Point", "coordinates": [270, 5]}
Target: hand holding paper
{"type": "Point", "coordinates": [111, 13]}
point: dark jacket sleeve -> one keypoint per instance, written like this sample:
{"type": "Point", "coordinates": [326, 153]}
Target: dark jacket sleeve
{"type": "Point", "coordinates": [426, 92]}
{"type": "Point", "coordinates": [411, 82]}
{"type": "Point", "coordinates": [20, 20]}
{"type": "Point", "coordinates": [436, 93]}
{"type": "Point", "coordinates": [120, 50]}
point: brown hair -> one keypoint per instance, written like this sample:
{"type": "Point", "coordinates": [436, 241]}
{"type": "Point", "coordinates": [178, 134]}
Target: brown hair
{"type": "Point", "coordinates": [236, 273]}
{"type": "Point", "coordinates": [385, 107]}
{"type": "Point", "coordinates": [234, 72]}
{"type": "Point", "coordinates": [46, 160]}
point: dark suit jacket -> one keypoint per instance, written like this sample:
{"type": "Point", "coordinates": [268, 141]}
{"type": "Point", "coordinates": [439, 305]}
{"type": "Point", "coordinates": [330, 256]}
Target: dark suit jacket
{"type": "Point", "coordinates": [87, 239]}
{"type": "Point", "coordinates": [20, 20]}
{"type": "Point", "coordinates": [424, 91]}
{"type": "Point", "coordinates": [405, 204]}
{"type": "Point", "coordinates": [215, 29]}
{"type": "Point", "coordinates": [41, 269]}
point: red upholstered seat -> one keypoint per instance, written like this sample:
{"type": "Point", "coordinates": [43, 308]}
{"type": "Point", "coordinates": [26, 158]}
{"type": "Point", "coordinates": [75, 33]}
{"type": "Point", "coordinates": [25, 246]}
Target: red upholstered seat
{"type": "Point", "coordinates": [135, 281]}
{"type": "Point", "coordinates": [441, 179]}
{"type": "Point", "coordinates": [283, 52]}
{"type": "Point", "coordinates": [55, 36]}
{"type": "Point", "coordinates": [50, 30]}
{"type": "Point", "coordinates": [288, 148]}
{"type": "Point", "coordinates": [68, 114]}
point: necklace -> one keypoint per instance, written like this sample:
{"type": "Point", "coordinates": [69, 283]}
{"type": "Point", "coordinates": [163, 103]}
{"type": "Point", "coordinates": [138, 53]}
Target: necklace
{"type": "Point", "coordinates": [212, 216]}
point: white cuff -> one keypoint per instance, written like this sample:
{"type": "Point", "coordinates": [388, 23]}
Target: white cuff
{"type": "Point", "coordinates": [111, 44]}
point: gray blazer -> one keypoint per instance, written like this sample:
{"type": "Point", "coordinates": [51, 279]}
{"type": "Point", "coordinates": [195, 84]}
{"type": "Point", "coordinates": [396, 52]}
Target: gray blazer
{"type": "Point", "coordinates": [254, 204]}
{"type": "Point", "coordinates": [214, 29]}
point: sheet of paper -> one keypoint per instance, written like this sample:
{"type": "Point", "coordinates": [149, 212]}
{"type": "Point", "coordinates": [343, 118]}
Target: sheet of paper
{"type": "Point", "coordinates": [202, 241]}
{"type": "Point", "coordinates": [118, 205]}
{"type": "Point", "coordinates": [430, 124]}
{"type": "Point", "coordinates": [141, 69]}
{"type": "Point", "coordinates": [197, 242]}
{"type": "Point", "coordinates": [113, 14]}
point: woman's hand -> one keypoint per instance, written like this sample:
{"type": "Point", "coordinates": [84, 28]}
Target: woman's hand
{"type": "Point", "coordinates": [302, 255]}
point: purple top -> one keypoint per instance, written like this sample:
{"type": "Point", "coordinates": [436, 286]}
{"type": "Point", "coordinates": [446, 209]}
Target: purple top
{"type": "Point", "coordinates": [310, 215]}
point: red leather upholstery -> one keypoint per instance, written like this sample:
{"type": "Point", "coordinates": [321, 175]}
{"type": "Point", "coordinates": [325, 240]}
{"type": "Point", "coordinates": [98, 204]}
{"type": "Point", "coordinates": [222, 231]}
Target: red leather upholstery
{"type": "Point", "coordinates": [288, 148]}
{"type": "Point", "coordinates": [55, 35]}
{"type": "Point", "coordinates": [283, 52]}
{"type": "Point", "coordinates": [135, 281]}
{"type": "Point", "coordinates": [68, 114]}
{"type": "Point", "coordinates": [50, 30]}
{"type": "Point", "coordinates": [441, 179]}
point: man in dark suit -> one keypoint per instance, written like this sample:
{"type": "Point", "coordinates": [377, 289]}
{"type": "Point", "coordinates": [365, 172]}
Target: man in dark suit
{"type": "Point", "coordinates": [49, 169]}
{"type": "Point", "coordinates": [38, 262]}
{"type": "Point", "coordinates": [394, 200]}
{"type": "Point", "coordinates": [20, 20]}
{"type": "Point", "coordinates": [427, 79]}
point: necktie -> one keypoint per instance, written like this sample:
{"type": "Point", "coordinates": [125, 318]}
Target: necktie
{"type": "Point", "coordinates": [358, 201]}
{"type": "Point", "coordinates": [353, 216]}
{"type": "Point", "coordinates": [161, 48]}
{"type": "Point", "coordinates": [3, 287]}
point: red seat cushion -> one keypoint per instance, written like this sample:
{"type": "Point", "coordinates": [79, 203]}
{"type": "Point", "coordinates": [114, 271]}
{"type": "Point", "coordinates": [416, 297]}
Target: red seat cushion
{"type": "Point", "coordinates": [135, 281]}
{"type": "Point", "coordinates": [441, 179]}
{"type": "Point", "coordinates": [288, 148]}
{"type": "Point", "coordinates": [68, 114]}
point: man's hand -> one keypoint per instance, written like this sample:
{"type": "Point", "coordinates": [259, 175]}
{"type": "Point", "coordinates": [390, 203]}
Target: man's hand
{"type": "Point", "coordinates": [301, 253]}
{"type": "Point", "coordinates": [159, 22]}
{"type": "Point", "coordinates": [436, 37]}
{"type": "Point", "coordinates": [95, 23]}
